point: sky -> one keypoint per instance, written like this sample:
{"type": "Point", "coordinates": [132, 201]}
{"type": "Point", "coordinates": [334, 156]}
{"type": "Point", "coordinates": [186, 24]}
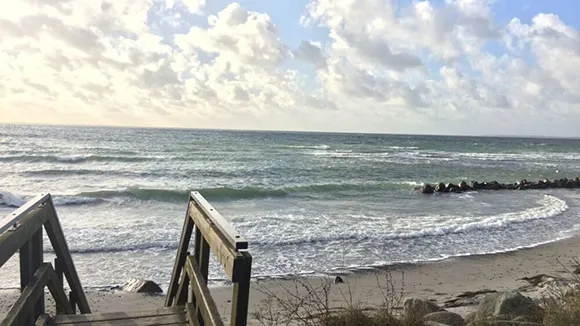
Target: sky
{"type": "Point", "coordinates": [457, 67]}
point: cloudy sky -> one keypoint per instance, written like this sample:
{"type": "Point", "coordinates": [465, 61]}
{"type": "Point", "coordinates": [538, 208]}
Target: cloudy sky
{"type": "Point", "coordinates": [509, 67]}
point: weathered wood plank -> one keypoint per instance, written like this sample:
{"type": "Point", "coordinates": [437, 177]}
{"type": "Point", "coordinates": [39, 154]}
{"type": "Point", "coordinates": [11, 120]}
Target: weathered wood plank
{"type": "Point", "coordinates": [191, 315]}
{"type": "Point", "coordinates": [61, 250]}
{"type": "Point", "coordinates": [186, 232]}
{"type": "Point", "coordinates": [59, 275]}
{"type": "Point", "coordinates": [57, 291]}
{"type": "Point", "coordinates": [13, 240]}
{"type": "Point", "coordinates": [8, 221]}
{"type": "Point", "coordinates": [241, 293]}
{"type": "Point", "coordinates": [202, 258]}
{"type": "Point", "coordinates": [42, 320]}
{"type": "Point", "coordinates": [36, 260]}
{"type": "Point", "coordinates": [20, 311]}
{"type": "Point", "coordinates": [71, 319]}
{"type": "Point", "coordinates": [223, 251]}
{"type": "Point", "coordinates": [26, 276]}
{"type": "Point", "coordinates": [233, 237]}
{"type": "Point", "coordinates": [204, 302]}
{"type": "Point", "coordinates": [140, 321]}
{"type": "Point", "coordinates": [181, 295]}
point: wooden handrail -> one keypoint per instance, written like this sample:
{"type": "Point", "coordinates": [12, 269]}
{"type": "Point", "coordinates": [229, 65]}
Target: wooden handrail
{"type": "Point", "coordinates": [190, 272]}
{"type": "Point", "coordinates": [235, 239]}
{"type": "Point", "coordinates": [13, 218]}
{"type": "Point", "coordinates": [21, 232]}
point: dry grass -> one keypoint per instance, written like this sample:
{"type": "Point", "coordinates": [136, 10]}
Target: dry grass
{"type": "Point", "coordinates": [307, 303]}
{"type": "Point", "coordinates": [563, 311]}
{"type": "Point", "coordinates": [562, 308]}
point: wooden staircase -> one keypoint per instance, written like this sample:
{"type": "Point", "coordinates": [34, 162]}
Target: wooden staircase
{"type": "Point", "coordinates": [188, 301]}
{"type": "Point", "coordinates": [162, 316]}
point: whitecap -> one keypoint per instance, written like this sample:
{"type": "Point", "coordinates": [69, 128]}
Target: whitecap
{"type": "Point", "coordinates": [10, 199]}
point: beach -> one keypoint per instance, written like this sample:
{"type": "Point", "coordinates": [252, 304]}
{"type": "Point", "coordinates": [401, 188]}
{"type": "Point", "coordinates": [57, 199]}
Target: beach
{"type": "Point", "coordinates": [441, 281]}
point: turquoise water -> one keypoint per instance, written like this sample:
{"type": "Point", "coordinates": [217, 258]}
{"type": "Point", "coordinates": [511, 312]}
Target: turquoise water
{"type": "Point", "coordinates": [309, 203]}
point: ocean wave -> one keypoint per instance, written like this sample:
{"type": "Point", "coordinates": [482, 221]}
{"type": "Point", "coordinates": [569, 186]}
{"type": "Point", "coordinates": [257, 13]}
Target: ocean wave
{"type": "Point", "coordinates": [227, 193]}
{"type": "Point", "coordinates": [414, 226]}
{"type": "Point", "coordinates": [13, 200]}
{"type": "Point", "coordinates": [76, 200]}
{"type": "Point", "coordinates": [321, 146]}
{"type": "Point", "coordinates": [96, 172]}
{"type": "Point", "coordinates": [10, 199]}
{"type": "Point", "coordinates": [73, 158]}
{"type": "Point", "coordinates": [374, 231]}
{"type": "Point", "coordinates": [116, 249]}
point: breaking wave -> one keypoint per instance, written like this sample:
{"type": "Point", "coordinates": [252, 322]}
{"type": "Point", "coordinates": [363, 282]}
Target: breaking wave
{"type": "Point", "coordinates": [71, 159]}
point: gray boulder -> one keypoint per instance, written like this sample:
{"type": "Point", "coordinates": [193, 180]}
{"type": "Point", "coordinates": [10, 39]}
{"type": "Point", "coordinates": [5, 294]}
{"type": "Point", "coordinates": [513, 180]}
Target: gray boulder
{"type": "Point", "coordinates": [452, 188]}
{"type": "Point", "coordinates": [511, 304]}
{"type": "Point", "coordinates": [470, 317]}
{"type": "Point", "coordinates": [445, 317]}
{"type": "Point", "coordinates": [427, 189]}
{"type": "Point", "coordinates": [416, 308]}
{"type": "Point", "coordinates": [136, 285]}
{"type": "Point", "coordinates": [440, 187]}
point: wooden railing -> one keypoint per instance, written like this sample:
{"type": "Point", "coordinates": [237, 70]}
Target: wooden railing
{"type": "Point", "coordinates": [22, 231]}
{"type": "Point", "coordinates": [190, 272]}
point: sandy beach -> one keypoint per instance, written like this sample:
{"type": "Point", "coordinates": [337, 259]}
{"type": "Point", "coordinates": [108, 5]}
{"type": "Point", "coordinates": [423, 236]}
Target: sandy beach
{"type": "Point", "coordinates": [441, 281]}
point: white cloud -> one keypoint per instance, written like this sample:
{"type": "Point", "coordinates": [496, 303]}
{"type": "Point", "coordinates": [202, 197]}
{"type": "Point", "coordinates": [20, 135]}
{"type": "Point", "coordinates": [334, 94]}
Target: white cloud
{"type": "Point", "coordinates": [417, 67]}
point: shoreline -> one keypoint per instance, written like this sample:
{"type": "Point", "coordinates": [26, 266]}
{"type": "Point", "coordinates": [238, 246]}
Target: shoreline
{"type": "Point", "coordinates": [439, 280]}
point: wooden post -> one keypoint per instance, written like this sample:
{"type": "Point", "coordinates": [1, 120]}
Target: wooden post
{"type": "Point", "coordinates": [179, 259]}
{"type": "Point", "coordinates": [202, 259]}
{"type": "Point", "coordinates": [241, 293]}
{"type": "Point", "coordinates": [202, 254]}
{"type": "Point", "coordinates": [59, 275]}
{"type": "Point", "coordinates": [73, 302]}
{"type": "Point", "coordinates": [26, 275]}
{"type": "Point", "coordinates": [37, 257]}
{"type": "Point", "coordinates": [58, 241]}
{"type": "Point", "coordinates": [182, 293]}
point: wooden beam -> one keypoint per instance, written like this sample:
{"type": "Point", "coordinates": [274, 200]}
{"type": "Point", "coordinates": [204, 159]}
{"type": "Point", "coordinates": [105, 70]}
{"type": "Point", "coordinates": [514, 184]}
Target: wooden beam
{"type": "Point", "coordinates": [59, 276]}
{"type": "Point", "coordinates": [232, 237]}
{"type": "Point", "coordinates": [57, 291]}
{"type": "Point", "coordinates": [223, 251]}
{"type": "Point", "coordinates": [20, 311]}
{"type": "Point", "coordinates": [61, 250]}
{"type": "Point", "coordinates": [26, 275]}
{"type": "Point", "coordinates": [42, 320]}
{"type": "Point", "coordinates": [95, 317]}
{"type": "Point", "coordinates": [8, 221]}
{"type": "Point", "coordinates": [204, 302]}
{"type": "Point", "coordinates": [12, 240]}
{"type": "Point", "coordinates": [186, 231]}
{"type": "Point", "coordinates": [155, 320]}
{"type": "Point", "coordinates": [191, 315]}
{"type": "Point", "coordinates": [202, 254]}
{"type": "Point", "coordinates": [181, 295]}
{"type": "Point", "coordinates": [241, 293]}
{"type": "Point", "coordinates": [36, 260]}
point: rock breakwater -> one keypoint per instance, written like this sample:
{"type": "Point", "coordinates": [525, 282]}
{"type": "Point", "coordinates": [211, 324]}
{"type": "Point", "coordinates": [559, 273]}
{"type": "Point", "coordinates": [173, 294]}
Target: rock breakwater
{"type": "Point", "coordinates": [464, 186]}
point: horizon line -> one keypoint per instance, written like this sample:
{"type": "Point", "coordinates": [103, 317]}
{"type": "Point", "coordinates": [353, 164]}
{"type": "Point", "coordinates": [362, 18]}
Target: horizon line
{"type": "Point", "coordinates": [286, 131]}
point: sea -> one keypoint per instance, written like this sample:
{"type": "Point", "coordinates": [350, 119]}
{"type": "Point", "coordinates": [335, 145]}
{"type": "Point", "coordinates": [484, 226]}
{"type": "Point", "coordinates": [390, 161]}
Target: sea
{"type": "Point", "coordinates": [309, 204]}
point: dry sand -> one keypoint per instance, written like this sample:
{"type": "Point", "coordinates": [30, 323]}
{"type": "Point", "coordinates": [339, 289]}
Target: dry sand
{"type": "Point", "coordinates": [441, 280]}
